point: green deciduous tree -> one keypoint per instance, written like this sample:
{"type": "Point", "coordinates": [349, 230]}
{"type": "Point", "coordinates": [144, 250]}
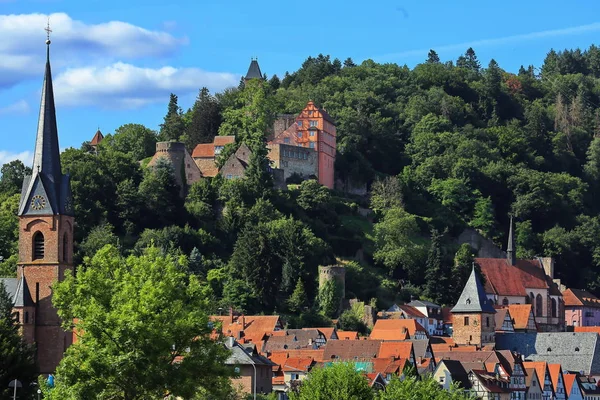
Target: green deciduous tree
{"type": "Point", "coordinates": [335, 381]}
{"type": "Point", "coordinates": [17, 359]}
{"type": "Point", "coordinates": [133, 139]}
{"type": "Point", "coordinates": [330, 298]}
{"type": "Point", "coordinates": [12, 177]}
{"type": "Point", "coordinates": [426, 388]}
{"type": "Point", "coordinates": [144, 332]}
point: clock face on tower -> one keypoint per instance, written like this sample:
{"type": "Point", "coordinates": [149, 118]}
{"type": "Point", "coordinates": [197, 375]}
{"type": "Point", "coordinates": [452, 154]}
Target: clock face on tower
{"type": "Point", "coordinates": [38, 202]}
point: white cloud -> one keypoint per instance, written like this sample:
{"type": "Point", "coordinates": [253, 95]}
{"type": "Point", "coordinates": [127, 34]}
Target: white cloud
{"type": "Point", "coordinates": [125, 85]}
{"type": "Point", "coordinates": [575, 30]}
{"type": "Point", "coordinates": [7, 156]}
{"type": "Point", "coordinates": [21, 57]}
{"type": "Point", "coordinates": [20, 107]}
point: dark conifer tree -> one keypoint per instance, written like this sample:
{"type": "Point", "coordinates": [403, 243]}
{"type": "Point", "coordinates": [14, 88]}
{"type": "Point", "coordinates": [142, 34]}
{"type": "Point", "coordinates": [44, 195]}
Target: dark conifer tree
{"type": "Point", "coordinates": [173, 126]}
{"type": "Point", "coordinates": [205, 120]}
{"type": "Point", "coordinates": [432, 57]}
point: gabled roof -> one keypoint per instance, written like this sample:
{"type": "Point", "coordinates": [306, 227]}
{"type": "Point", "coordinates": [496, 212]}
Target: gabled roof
{"type": "Point", "coordinates": [555, 374]}
{"type": "Point", "coordinates": [386, 366]}
{"type": "Point", "coordinates": [204, 150]}
{"type": "Point", "coordinates": [291, 339]}
{"type": "Point", "coordinates": [328, 332]}
{"type": "Point", "coordinates": [540, 367]}
{"type": "Point", "coordinates": [241, 354]}
{"type": "Point", "coordinates": [254, 71]}
{"type": "Point", "coordinates": [347, 335]}
{"type": "Point", "coordinates": [579, 298]}
{"type": "Point", "coordinates": [420, 347]}
{"type": "Point", "coordinates": [423, 303]}
{"type": "Point", "coordinates": [396, 329]}
{"type": "Point", "coordinates": [396, 350]}
{"type": "Point", "coordinates": [351, 350]}
{"type": "Point", "coordinates": [473, 298]}
{"type": "Point", "coordinates": [500, 317]}
{"type": "Point", "coordinates": [97, 138]}
{"type": "Point", "coordinates": [316, 355]}
{"type": "Point", "coordinates": [223, 140]}
{"type": "Point", "coordinates": [570, 380]}
{"type": "Point", "coordinates": [248, 327]}
{"type": "Point", "coordinates": [573, 350]}
{"type": "Point", "coordinates": [457, 372]}
{"type": "Point", "coordinates": [530, 373]}
{"type": "Point", "coordinates": [520, 314]}
{"type": "Point", "coordinates": [298, 364]}
{"type": "Point", "coordinates": [503, 279]}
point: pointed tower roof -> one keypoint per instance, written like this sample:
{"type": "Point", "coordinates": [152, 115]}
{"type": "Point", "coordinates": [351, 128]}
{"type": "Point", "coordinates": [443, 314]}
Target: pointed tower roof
{"type": "Point", "coordinates": [254, 70]}
{"type": "Point", "coordinates": [511, 248]}
{"type": "Point", "coordinates": [47, 187]}
{"type": "Point", "coordinates": [97, 138]}
{"type": "Point", "coordinates": [473, 298]}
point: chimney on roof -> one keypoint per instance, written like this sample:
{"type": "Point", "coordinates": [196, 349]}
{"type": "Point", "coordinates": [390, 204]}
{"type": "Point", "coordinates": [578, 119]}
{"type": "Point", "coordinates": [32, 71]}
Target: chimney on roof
{"type": "Point", "coordinates": [511, 248]}
{"type": "Point", "coordinates": [243, 322]}
{"type": "Point", "coordinates": [230, 341]}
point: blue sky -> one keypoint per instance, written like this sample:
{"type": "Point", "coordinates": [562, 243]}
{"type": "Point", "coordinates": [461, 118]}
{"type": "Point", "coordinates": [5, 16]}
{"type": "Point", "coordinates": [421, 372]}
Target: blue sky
{"type": "Point", "coordinates": [116, 62]}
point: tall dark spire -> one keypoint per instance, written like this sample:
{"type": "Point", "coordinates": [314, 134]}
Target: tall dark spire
{"type": "Point", "coordinates": [254, 70]}
{"type": "Point", "coordinates": [47, 190]}
{"type": "Point", "coordinates": [511, 248]}
{"type": "Point", "coordinates": [473, 298]}
{"type": "Point", "coordinates": [47, 154]}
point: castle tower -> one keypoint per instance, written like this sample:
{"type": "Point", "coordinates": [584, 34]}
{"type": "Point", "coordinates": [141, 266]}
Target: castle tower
{"type": "Point", "coordinates": [253, 71]}
{"type": "Point", "coordinates": [45, 235]}
{"type": "Point", "coordinates": [473, 320]}
{"type": "Point", "coordinates": [335, 273]}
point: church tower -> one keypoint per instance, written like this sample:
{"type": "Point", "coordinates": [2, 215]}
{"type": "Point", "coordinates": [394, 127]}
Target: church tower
{"type": "Point", "coordinates": [473, 321]}
{"type": "Point", "coordinates": [45, 233]}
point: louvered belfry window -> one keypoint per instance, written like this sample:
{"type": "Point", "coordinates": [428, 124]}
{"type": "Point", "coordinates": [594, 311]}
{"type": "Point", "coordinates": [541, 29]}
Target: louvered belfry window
{"type": "Point", "coordinates": [38, 246]}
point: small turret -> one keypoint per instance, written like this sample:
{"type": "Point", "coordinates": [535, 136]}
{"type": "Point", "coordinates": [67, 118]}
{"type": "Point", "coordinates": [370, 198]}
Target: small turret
{"type": "Point", "coordinates": [511, 248]}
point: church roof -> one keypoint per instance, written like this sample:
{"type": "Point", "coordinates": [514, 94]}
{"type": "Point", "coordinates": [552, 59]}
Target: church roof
{"type": "Point", "coordinates": [473, 298]}
{"type": "Point", "coordinates": [18, 291]}
{"type": "Point", "coordinates": [254, 71]}
{"type": "Point", "coordinates": [512, 280]}
{"type": "Point", "coordinates": [47, 183]}
{"type": "Point", "coordinates": [97, 138]}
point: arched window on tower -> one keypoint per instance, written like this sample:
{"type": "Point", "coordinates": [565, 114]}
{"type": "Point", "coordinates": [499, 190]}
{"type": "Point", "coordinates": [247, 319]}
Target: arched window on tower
{"type": "Point", "coordinates": [38, 246]}
{"type": "Point", "coordinates": [532, 298]}
{"type": "Point", "coordinates": [505, 301]}
{"type": "Point", "coordinates": [539, 306]}
{"type": "Point", "coordinates": [65, 248]}
{"type": "Point", "coordinates": [553, 308]}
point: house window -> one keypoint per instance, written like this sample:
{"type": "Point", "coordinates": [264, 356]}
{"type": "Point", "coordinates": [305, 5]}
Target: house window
{"type": "Point", "coordinates": [38, 246]}
{"type": "Point", "coordinates": [311, 145]}
{"type": "Point", "coordinates": [300, 134]}
{"type": "Point", "coordinates": [26, 317]}
{"type": "Point", "coordinates": [312, 133]}
{"type": "Point", "coordinates": [286, 140]}
{"type": "Point", "coordinates": [487, 321]}
{"type": "Point", "coordinates": [229, 176]}
{"type": "Point", "coordinates": [313, 123]}
{"type": "Point", "coordinates": [554, 308]}
{"type": "Point", "coordinates": [299, 124]}
{"type": "Point", "coordinates": [466, 321]}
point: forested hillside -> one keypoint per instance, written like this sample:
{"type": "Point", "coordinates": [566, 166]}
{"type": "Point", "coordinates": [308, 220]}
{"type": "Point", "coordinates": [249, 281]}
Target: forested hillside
{"type": "Point", "coordinates": [442, 147]}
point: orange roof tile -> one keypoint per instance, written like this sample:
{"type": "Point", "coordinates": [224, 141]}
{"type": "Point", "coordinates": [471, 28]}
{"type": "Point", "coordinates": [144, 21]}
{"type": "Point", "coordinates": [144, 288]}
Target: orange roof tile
{"type": "Point", "coordinates": [300, 364]}
{"type": "Point", "coordinates": [316, 355]}
{"type": "Point", "coordinates": [388, 365]}
{"type": "Point", "coordinates": [555, 372]}
{"type": "Point", "coordinates": [395, 329]}
{"type": "Point", "coordinates": [569, 382]}
{"type": "Point", "coordinates": [520, 314]}
{"type": "Point", "coordinates": [539, 366]}
{"type": "Point", "coordinates": [587, 329]}
{"type": "Point", "coordinates": [249, 328]}
{"type": "Point", "coordinates": [395, 349]}
{"type": "Point", "coordinates": [278, 358]}
{"type": "Point", "coordinates": [347, 335]}
{"type": "Point", "coordinates": [223, 140]}
{"type": "Point", "coordinates": [204, 150]}
{"type": "Point", "coordinates": [579, 298]}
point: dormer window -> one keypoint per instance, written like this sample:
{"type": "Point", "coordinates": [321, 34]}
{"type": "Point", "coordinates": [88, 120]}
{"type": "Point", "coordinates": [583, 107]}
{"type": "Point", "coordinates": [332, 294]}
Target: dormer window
{"type": "Point", "coordinates": [468, 301]}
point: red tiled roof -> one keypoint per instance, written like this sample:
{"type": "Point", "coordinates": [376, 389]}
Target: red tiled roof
{"type": "Point", "coordinates": [351, 350]}
{"type": "Point", "coordinates": [539, 366]}
{"type": "Point", "coordinates": [298, 364]}
{"type": "Point", "coordinates": [444, 347]}
{"type": "Point", "coordinates": [248, 328]}
{"type": "Point", "coordinates": [579, 298]}
{"type": "Point", "coordinates": [512, 280]}
{"type": "Point", "coordinates": [97, 138]}
{"type": "Point", "coordinates": [395, 329]}
{"type": "Point", "coordinates": [520, 314]}
{"type": "Point", "coordinates": [204, 150]}
{"type": "Point", "coordinates": [388, 365]}
{"type": "Point", "coordinates": [316, 355]}
{"type": "Point", "coordinates": [278, 358]}
{"type": "Point", "coordinates": [347, 335]}
{"type": "Point", "coordinates": [223, 140]}
{"type": "Point", "coordinates": [395, 349]}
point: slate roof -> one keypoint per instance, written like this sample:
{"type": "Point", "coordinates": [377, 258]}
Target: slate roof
{"type": "Point", "coordinates": [473, 298]}
{"type": "Point", "coordinates": [420, 347]}
{"type": "Point", "coordinates": [245, 354]}
{"type": "Point", "coordinates": [18, 291]}
{"type": "Point", "coordinates": [579, 298]}
{"type": "Point", "coordinates": [457, 372]}
{"type": "Point", "coordinates": [292, 339]}
{"type": "Point", "coordinates": [328, 332]}
{"type": "Point", "coordinates": [423, 303]}
{"type": "Point", "coordinates": [47, 179]}
{"type": "Point", "coordinates": [575, 351]}
{"type": "Point", "coordinates": [254, 71]}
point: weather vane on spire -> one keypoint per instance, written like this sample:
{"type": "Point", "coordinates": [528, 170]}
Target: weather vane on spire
{"type": "Point", "coordinates": [48, 31]}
